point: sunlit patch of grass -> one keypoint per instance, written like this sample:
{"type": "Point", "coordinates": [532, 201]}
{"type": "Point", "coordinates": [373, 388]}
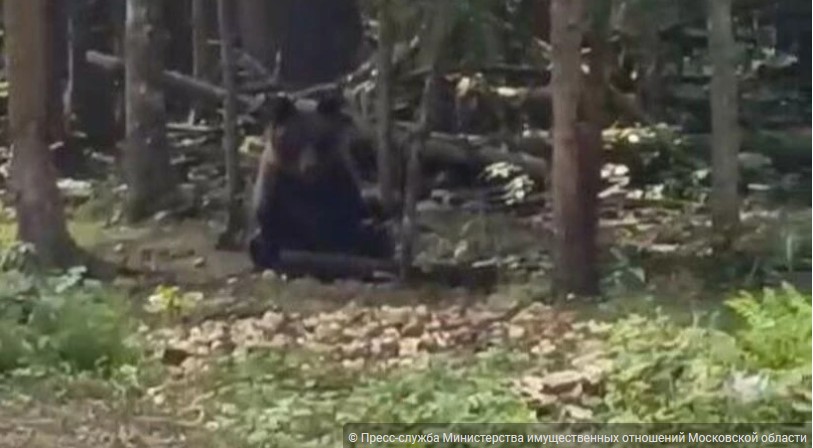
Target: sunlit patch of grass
{"type": "Point", "coordinates": [85, 233]}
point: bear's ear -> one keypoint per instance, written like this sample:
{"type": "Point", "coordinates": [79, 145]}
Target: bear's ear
{"type": "Point", "coordinates": [279, 110]}
{"type": "Point", "coordinates": [330, 105]}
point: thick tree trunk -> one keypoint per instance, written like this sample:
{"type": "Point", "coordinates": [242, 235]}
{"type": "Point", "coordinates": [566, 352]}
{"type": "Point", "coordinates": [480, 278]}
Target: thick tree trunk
{"type": "Point", "coordinates": [585, 209]}
{"type": "Point", "coordinates": [258, 29]}
{"type": "Point", "coordinates": [178, 27]}
{"type": "Point", "coordinates": [149, 176]}
{"type": "Point", "coordinates": [234, 220]}
{"type": "Point", "coordinates": [573, 177]}
{"type": "Point", "coordinates": [178, 48]}
{"type": "Point", "coordinates": [386, 180]}
{"type": "Point", "coordinates": [307, 57]}
{"type": "Point", "coordinates": [40, 214]}
{"type": "Point", "coordinates": [725, 205]}
{"type": "Point", "coordinates": [203, 58]}
{"type": "Point", "coordinates": [540, 16]}
{"type": "Point", "coordinates": [90, 93]}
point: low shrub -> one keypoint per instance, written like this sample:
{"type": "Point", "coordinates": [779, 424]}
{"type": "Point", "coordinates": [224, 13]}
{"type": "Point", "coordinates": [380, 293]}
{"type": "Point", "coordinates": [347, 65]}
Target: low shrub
{"type": "Point", "coordinates": [62, 321]}
{"type": "Point", "coordinates": [664, 372]}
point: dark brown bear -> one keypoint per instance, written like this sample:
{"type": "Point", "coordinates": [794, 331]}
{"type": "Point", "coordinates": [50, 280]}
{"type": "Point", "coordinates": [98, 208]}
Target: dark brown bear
{"type": "Point", "coordinates": [306, 195]}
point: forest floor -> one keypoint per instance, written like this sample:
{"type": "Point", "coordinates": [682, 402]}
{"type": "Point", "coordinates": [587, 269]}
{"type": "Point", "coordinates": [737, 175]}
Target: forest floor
{"type": "Point", "coordinates": [339, 336]}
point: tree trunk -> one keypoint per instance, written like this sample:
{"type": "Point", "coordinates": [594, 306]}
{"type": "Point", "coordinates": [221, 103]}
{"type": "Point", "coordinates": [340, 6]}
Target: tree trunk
{"type": "Point", "coordinates": [439, 31]}
{"type": "Point", "coordinates": [323, 45]}
{"type": "Point", "coordinates": [203, 61]}
{"type": "Point", "coordinates": [386, 173]}
{"type": "Point", "coordinates": [177, 51]}
{"type": "Point", "coordinates": [573, 177]}
{"type": "Point", "coordinates": [178, 27]}
{"type": "Point", "coordinates": [259, 35]}
{"type": "Point", "coordinates": [540, 17]}
{"type": "Point", "coordinates": [116, 17]}
{"type": "Point", "coordinates": [90, 93]}
{"type": "Point", "coordinates": [58, 45]}
{"type": "Point", "coordinates": [40, 214]}
{"type": "Point", "coordinates": [233, 184]}
{"type": "Point", "coordinates": [318, 40]}
{"type": "Point", "coordinates": [147, 169]}
{"type": "Point", "coordinates": [724, 201]}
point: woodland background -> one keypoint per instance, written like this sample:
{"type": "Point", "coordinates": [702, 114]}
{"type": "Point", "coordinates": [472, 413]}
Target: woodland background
{"type": "Point", "coordinates": [601, 206]}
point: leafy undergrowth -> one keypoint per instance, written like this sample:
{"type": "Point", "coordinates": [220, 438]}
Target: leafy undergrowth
{"type": "Point", "coordinates": [668, 373]}
{"type": "Point", "coordinates": [77, 371]}
{"type": "Point", "coordinates": [285, 401]}
{"type": "Point", "coordinates": [293, 380]}
{"type": "Point", "coordinates": [62, 320]}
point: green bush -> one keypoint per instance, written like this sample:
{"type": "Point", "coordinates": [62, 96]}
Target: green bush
{"type": "Point", "coordinates": [664, 372]}
{"type": "Point", "coordinates": [777, 329]}
{"type": "Point", "coordinates": [62, 321]}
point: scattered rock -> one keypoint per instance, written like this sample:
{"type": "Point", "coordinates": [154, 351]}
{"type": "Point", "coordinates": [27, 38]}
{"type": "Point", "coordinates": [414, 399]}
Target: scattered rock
{"type": "Point", "coordinates": [409, 347]}
{"type": "Point", "coordinates": [543, 348]}
{"type": "Point", "coordinates": [577, 412]}
{"type": "Point", "coordinates": [353, 364]}
{"type": "Point", "coordinates": [560, 382]}
{"type": "Point", "coordinates": [271, 321]}
{"type": "Point", "coordinates": [515, 332]}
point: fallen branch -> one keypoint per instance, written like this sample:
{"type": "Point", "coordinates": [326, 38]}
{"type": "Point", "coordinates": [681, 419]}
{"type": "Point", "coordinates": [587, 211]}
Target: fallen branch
{"type": "Point", "coordinates": [177, 81]}
{"type": "Point", "coordinates": [191, 128]}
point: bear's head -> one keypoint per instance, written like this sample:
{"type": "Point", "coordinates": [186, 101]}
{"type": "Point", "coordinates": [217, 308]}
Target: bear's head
{"type": "Point", "coordinates": [305, 143]}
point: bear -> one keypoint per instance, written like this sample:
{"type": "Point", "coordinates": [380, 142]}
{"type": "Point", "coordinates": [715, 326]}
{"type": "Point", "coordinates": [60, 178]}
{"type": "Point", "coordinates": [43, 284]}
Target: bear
{"type": "Point", "coordinates": [307, 196]}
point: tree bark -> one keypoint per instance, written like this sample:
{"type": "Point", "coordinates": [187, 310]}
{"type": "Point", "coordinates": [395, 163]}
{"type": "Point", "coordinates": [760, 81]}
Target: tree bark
{"type": "Point", "coordinates": [258, 34]}
{"type": "Point", "coordinates": [595, 96]}
{"type": "Point", "coordinates": [319, 40]}
{"type": "Point", "coordinates": [177, 28]}
{"type": "Point", "coordinates": [574, 245]}
{"type": "Point", "coordinates": [90, 93]}
{"type": "Point", "coordinates": [58, 46]}
{"type": "Point", "coordinates": [40, 214]}
{"type": "Point", "coordinates": [150, 180]}
{"type": "Point", "coordinates": [724, 201]}
{"type": "Point", "coordinates": [116, 12]}
{"type": "Point", "coordinates": [386, 180]}
{"type": "Point", "coordinates": [233, 184]}
{"type": "Point", "coordinates": [203, 61]}
{"type": "Point", "coordinates": [439, 31]}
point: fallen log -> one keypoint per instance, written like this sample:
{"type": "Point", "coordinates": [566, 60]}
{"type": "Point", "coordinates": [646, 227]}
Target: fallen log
{"type": "Point", "coordinates": [449, 149]}
{"type": "Point", "coordinates": [323, 265]}
{"type": "Point", "coordinates": [461, 149]}
{"type": "Point", "coordinates": [333, 265]}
